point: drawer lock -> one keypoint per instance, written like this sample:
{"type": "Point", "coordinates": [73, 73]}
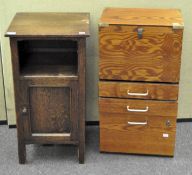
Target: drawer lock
{"type": "Point", "coordinates": [168, 123]}
{"type": "Point", "coordinates": [140, 33]}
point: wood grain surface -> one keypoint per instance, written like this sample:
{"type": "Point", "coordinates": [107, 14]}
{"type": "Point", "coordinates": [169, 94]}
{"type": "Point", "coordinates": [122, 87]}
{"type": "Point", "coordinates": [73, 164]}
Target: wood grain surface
{"type": "Point", "coordinates": [50, 110]}
{"type": "Point", "coordinates": [49, 24]}
{"type": "Point", "coordinates": [154, 58]}
{"type": "Point", "coordinates": [156, 137]}
{"type": "Point", "coordinates": [48, 90]}
{"type": "Point", "coordinates": [140, 16]}
{"type": "Point", "coordinates": [153, 91]}
{"type": "Point", "coordinates": [155, 108]}
{"type": "Point", "coordinates": [81, 98]}
{"type": "Point", "coordinates": [19, 98]}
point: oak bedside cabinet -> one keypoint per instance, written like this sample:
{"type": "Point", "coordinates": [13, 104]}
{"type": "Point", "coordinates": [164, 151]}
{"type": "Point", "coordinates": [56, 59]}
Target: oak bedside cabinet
{"type": "Point", "coordinates": [139, 68]}
{"type": "Point", "coordinates": [48, 60]}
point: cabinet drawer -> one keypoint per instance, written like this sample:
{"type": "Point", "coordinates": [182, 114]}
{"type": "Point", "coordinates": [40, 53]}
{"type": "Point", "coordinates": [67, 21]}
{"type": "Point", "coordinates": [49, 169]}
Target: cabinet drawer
{"type": "Point", "coordinates": [138, 90]}
{"type": "Point", "coordinates": [155, 57]}
{"type": "Point", "coordinates": [137, 126]}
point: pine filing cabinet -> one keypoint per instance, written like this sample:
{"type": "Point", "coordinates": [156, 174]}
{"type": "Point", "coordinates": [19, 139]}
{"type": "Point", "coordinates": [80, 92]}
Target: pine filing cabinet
{"type": "Point", "coordinates": [48, 59]}
{"type": "Point", "coordinates": [139, 67]}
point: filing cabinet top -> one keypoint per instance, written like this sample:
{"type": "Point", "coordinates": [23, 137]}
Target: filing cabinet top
{"type": "Point", "coordinates": [139, 16]}
{"type": "Point", "coordinates": [49, 24]}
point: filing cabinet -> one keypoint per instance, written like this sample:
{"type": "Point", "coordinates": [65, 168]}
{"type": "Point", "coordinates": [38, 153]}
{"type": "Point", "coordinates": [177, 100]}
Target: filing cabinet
{"type": "Point", "coordinates": [139, 70]}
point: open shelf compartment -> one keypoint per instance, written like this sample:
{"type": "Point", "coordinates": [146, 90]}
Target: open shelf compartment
{"type": "Point", "coordinates": [48, 58]}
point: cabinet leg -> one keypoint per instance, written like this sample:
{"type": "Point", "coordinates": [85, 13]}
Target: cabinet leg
{"type": "Point", "coordinates": [81, 152]}
{"type": "Point", "coordinates": [22, 153]}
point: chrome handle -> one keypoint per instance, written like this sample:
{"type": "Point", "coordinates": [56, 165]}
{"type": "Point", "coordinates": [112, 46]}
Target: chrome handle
{"type": "Point", "coordinates": [137, 123]}
{"type": "Point", "coordinates": [137, 94]}
{"type": "Point", "coordinates": [137, 110]}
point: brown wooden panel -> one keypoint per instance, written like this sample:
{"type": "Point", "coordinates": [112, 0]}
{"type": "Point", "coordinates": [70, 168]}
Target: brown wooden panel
{"type": "Point", "coordinates": [136, 141]}
{"type": "Point", "coordinates": [140, 16]}
{"type": "Point", "coordinates": [50, 140]}
{"type": "Point", "coordinates": [81, 98]}
{"type": "Point", "coordinates": [50, 24]}
{"type": "Point", "coordinates": [119, 106]}
{"type": "Point", "coordinates": [138, 90]}
{"type": "Point", "coordinates": [156, 135]}
{"type": "Point", "coordinates": [155, 57]}
{"type": "Point", "coordinates": [50, 109]}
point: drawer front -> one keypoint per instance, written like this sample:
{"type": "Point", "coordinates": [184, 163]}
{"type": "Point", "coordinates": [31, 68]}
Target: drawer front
{"type": "Point", "coordinates": [138, 90]}
{"type": "Point", "coordinates": [137, 126]}
{"type": "Point", "coordinates": [154, 58]}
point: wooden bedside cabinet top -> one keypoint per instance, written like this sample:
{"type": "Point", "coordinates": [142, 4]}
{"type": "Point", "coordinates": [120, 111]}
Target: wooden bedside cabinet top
{"type": "Point", "coordinates": [49, 24]}
{"type": "Point", "coordinates": [139, 16]}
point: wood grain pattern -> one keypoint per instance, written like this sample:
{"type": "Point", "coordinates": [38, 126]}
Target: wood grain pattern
{"type": "Point", "coordinates": [140, 16]}
{"type": "Point", "coordinates": [81, 98]}
{"type": "Point", "coordinates": [149, 90]}
{"type": "Point", "coordinates": [50, 24]}
{"type": "Point", "coordinates": [50, 110]}
{"type": "Point", "coordinates": [155, 57]}
{"type": "Point", "coordinates": [116, 135]}
{"type": "Point", "coordinates": [47, 123]}
{"type": "Point", "coordinates": [155, 108]}
{"type": "Point", "coordinates": [18, 99]}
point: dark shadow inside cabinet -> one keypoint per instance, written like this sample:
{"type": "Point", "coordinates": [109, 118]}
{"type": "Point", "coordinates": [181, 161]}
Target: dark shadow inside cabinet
{"type": "Point", "coordinates": [48, 58]}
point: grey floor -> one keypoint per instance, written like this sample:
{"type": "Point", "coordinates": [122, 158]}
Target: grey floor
{"type": "Point", "coordinates": [53, 160]}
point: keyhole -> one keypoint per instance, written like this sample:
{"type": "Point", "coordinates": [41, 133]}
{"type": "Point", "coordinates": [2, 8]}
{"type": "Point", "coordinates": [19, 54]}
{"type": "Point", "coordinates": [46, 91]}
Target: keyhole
{"type": "Point", "coordinates": [168, 123]}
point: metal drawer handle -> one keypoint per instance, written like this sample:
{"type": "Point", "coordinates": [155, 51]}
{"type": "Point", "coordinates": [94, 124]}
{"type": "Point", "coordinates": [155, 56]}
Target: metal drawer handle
{"type": "Point", "coordinates": [137, 110]}
{"type": "Point", "coordinates": [137, 94]}
{"type": "Point", "coordinates": [137, 123]}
